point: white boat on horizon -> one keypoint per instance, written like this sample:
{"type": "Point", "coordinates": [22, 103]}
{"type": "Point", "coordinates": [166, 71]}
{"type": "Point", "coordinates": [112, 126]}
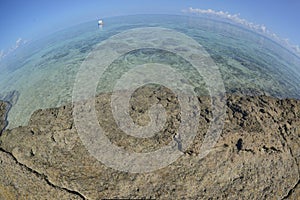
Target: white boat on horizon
{"type": "Point", "coordinates": [100, 22]}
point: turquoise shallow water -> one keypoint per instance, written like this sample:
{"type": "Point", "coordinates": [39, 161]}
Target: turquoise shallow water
{"type": "Point", "coordinates": [44, 71]}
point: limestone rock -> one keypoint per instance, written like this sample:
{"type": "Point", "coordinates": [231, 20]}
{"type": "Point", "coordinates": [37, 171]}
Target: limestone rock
{"type": "Point", "coordinates": [256, 157]}
{"type": "Point", "coordinates": [19, 182]}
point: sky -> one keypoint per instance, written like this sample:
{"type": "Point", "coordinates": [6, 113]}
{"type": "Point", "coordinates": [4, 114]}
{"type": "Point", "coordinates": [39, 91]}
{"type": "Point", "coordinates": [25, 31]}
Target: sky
{"type": "Point", "coordinates": [25, 20]}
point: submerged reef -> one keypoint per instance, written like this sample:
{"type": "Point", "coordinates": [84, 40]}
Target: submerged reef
{"type": "Point", "coordinates": [6, 103]}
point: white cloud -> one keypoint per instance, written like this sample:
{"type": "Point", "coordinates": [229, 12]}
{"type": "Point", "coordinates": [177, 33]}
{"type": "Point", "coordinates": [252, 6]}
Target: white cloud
{"type": "Point", "coordinates": [19, 42]}
{"type": "Point", "coordinates": [296, 48]}
{"type": "Point", "coordinates": [262, 29]}
{"type": "Point", "coordinates": [233, 17]}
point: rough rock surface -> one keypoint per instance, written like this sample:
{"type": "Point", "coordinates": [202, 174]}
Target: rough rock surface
{"type": "Point", "coordinates": [17, 181]}
{"type": "Point", "coordinates": [256, 157]}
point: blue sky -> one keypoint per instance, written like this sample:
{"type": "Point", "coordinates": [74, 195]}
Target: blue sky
{"type": "Point", "coordinates": [28, 19]}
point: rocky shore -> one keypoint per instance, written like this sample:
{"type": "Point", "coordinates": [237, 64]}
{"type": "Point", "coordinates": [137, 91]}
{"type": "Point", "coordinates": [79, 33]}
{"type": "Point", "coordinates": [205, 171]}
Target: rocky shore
{"type": "Point", "coordinates": [256, 157]}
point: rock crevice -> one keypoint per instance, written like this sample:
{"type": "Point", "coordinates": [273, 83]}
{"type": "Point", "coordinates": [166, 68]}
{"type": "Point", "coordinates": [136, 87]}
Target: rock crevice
{"type": "Point", "coordinates": [42, 176]}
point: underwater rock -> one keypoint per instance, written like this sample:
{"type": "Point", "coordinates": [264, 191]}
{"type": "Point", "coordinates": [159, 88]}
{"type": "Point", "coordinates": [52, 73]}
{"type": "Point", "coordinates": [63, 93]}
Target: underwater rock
{"type": "Point", "coordinates": [10, 97]}
{"type": "Point", "coordinates": [6, 102]}
{"type": "Point", "coordinates": [3, 113]}
{"type": "Point", "coordinates": [256, 157]}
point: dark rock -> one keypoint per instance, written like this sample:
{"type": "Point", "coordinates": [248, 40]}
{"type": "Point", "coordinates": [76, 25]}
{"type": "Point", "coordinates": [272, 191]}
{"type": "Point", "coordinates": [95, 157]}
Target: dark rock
{"type": "Point", "coordinates": [6, 102]}
{"type": "Point", "coordinates": [239, 144]}
{"type": "Point", "coordinates": [4, 107]}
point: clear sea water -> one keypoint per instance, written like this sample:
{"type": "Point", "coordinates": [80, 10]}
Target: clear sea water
{"type": "Point", "coordinates": [43, 72]}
